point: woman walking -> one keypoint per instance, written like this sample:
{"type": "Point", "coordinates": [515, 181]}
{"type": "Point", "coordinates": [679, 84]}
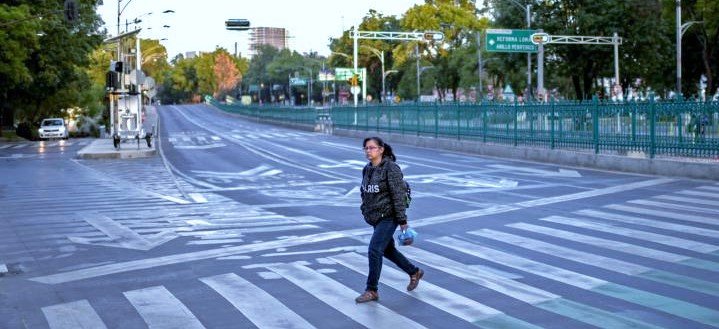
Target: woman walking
{"type": "Point", "coordinates": [383, 206]}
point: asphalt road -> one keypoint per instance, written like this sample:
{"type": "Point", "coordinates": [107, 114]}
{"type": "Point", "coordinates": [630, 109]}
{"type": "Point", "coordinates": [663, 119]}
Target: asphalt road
{"type": "Point", "coordinates": [240, 225]}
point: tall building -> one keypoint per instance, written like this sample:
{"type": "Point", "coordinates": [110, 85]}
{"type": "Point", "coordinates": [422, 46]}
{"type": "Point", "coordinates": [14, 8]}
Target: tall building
{"type": "Point", "coordinates": [273, 36]}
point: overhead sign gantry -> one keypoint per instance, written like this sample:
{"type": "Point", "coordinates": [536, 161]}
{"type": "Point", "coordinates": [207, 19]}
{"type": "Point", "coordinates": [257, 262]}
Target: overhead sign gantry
{"type": "Point", "coordinates": [427, 36]}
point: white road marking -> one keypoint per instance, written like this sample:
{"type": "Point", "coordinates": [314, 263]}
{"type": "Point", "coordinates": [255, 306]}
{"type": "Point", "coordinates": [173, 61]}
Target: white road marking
{"type": "Point", "coordinates": [664, 214]}
{"type": "Point", "coordinates": [537, 172]}
{"type": "Point", "coordinates": [635, 234]}
{"type": "Point", "coordinates": [443, 299]}
{"type": "Point", "coordinates": [603, 243]}
{"type": "Point", "coordinates": [555, 273]}
{"type": "Point", "coordinates": [121, 236]}
{"type": "Point", "coordinates": [198, 198]}
{"type": "Point", "coordinates": [231, 251]}
{"type": "Point", "coordinates": [651, 223]}
{"type": "Point", "coordinates": [161, 310]}
{"type": "Point", "coordinates": [73, 315]}
{"type": "Point", "coordinates": [490, 279]}
{"type": "Point", "coordinates": [675, 206]}
{"type": "Point", "coordinates": [688, 200]}
{"type": "Point", "coordinates": [257, 305]}
{"type": "Point", "coordinates": [607, 263]}
{"type": "Point", "coordinates": [341, 298]}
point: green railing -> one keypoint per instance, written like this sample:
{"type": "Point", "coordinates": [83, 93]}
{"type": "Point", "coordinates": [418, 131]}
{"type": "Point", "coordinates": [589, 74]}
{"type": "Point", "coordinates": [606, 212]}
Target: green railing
{"type": "Point", "coordinates": [669, 128]}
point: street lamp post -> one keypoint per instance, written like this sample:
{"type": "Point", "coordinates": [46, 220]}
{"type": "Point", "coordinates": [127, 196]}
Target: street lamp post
{"type": "Point", "coordinates": [528, 12]}
{"type": "Point", "coordinates": [380, 55]}
{"type": "Point", "coordinates": [680, 30]}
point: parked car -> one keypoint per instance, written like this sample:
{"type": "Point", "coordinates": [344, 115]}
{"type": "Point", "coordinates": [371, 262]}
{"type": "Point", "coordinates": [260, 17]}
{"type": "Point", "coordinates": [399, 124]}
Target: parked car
{"type": "Point", "coordinates": [53, 128]}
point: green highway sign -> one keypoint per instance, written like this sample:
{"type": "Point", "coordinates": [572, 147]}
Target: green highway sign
{"type": "Point", "coordinates": [510, 41]}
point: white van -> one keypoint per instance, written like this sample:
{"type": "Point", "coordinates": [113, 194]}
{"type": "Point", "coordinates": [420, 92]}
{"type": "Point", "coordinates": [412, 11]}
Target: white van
{"type": "Point", "coordinates": [53, 128]}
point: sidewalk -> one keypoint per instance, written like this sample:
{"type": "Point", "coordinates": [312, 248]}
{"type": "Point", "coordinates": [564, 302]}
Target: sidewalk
{"type": "Point", "coordinates": [104, 149]}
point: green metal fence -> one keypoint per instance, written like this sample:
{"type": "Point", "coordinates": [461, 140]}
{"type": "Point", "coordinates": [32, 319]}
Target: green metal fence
{"type": "Point", "coordinates": [669, 128]}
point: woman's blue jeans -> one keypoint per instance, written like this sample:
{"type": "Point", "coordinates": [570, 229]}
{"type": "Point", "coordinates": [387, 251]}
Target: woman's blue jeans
{"type": "Point", "coordinates": [382, 244]}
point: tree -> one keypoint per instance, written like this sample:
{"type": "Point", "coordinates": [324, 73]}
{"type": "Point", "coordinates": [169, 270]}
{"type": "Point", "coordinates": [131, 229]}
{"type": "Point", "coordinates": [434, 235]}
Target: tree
{"type": "Point", "coordinates": [227, 74]}
{"type": "Point", "coordinates": [457, 20]}
{"type": "Point", "coordinates": [700, 45]}
{"type": "Point", "coordinates": [55, 59]}
{"type": "Point", "coordinates": [18, 39]}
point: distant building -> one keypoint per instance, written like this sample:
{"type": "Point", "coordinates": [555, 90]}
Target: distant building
{"type": "Point", "coordinates": [190, 54]}
{"type": "Point", "coordinates": [273, 36]}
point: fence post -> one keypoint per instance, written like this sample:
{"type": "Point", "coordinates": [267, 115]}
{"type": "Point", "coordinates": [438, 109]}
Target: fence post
{"type": "Point", "coordinates": [516, 137]}
{"type": "Point", "coordinates": [484, 121]}
{"type": "Point", "coordinates": [459, 123]}
{"type": "Point", "coordinates": [553, 118]}
{"type": "Point", "coordinates": [595, 123]}
{"type": "Point", "coordinates": [436, 121]}
{"type": "Point", "coordinates": [652, 126]}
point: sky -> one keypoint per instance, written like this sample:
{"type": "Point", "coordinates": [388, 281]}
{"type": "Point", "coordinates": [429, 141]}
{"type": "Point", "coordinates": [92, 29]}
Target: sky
{"type": "Point", "coordinates": [200, 25]}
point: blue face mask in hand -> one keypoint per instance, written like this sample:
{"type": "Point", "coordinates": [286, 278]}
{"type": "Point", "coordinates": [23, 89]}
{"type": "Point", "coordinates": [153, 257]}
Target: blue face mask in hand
{"type": "Point", "coordinates": [406, 237]}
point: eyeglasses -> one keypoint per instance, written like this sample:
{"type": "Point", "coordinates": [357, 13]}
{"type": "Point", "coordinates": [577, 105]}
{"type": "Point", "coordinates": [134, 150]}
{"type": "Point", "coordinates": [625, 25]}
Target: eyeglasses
{"type": "Point", "coordinates": [370, 148]}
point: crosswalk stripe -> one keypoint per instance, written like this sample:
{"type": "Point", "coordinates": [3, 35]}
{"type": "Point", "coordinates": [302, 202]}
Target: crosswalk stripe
{"type": "Point", "coordinates": [647, 222]}
{"type": "Point", "coordinates": [710, 195]}
{"type": "Point", "coordinates": [636, 234]}
{"type": "Point", "coordinates": [254, 302]}
{"type": "Point", "coordinates": [600, 242]}
{"type": "Point", "coordinates": [664, 214]}
{"type": "Point", "coordinates": [687, 200]}
{"type": "Point", "coordinates": [73, 315]}
{"type": "Point", "coordinates": [216, 138]}
{"type": "Point", "coordinates": [161, 310]}
{"type": "Point", "coordinates": [445, 300]}
{"type": "Point", "coordinates": [19, 146]}
{"type": "Point", "coordinates": [494, 281]}
{"type": "Point", "coordinates": [658, 302]}
{"type": "Point", "coordinates": [619, 246]}
{"type": "Point", "coordinates": [2, 147]}
{"type": "Point", "coordinates": [341, 298]}
{"type": "Point", "coordinates": [709, 187]}
{"type": "Point", "coordinates": [563, 252]}
{"type": "Point", "coordinates": [675, 206]}
{"type": "Point", "coordinates": [607, 263]}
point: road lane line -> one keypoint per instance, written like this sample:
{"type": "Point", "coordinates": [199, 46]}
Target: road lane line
{"type": "Point", "coordinates": [73, 315]}
{"type": "Point", "coordinates": [443, 299]}
{"type": "Point", "coordinates": [256, 304]}
{"type": "Point", "coordinates": [341, 298]}
{"type": "Point", "coordinates": [161, 310]}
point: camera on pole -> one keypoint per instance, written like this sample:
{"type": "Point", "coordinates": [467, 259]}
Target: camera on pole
{"type": "Point", "coordinates": [237, 24]}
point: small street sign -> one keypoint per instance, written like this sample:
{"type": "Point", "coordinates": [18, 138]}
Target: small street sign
{"type": "Point", "coordinates": [297, 82]}
{"type": "Point", "coordinates": [510, 41]}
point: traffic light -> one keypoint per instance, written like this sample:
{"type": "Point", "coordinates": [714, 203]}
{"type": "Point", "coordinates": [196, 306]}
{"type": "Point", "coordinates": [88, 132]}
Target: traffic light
{"type": "Point", "coordinates": [236, 24]}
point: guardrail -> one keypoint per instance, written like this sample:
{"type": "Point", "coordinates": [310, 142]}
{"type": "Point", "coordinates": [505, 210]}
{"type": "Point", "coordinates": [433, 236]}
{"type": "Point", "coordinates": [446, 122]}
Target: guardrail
{"type": "Point", "coordinates": [667, 128]}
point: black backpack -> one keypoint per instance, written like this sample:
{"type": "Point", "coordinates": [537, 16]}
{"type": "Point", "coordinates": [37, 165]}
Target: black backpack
{"type": "Point", "coordinates": [408, 197]}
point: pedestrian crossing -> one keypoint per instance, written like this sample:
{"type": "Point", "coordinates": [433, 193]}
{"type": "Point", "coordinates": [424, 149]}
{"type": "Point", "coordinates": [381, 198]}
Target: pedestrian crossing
{"type": "Point", "coordinates": [44, 144]}
{"type": "Point", "coordinates": [624, 265]}
{"type": "Point", "coordinates": [200, 140]}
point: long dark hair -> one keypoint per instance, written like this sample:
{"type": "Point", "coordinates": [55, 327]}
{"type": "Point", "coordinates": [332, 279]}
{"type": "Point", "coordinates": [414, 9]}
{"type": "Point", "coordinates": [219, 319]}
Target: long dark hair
{"type": "Point", "coordinates": [387, 149]}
